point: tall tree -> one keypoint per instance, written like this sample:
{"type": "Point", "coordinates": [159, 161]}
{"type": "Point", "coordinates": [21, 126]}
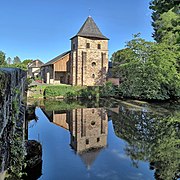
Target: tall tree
{"type": "Point", "coordinates": [16, 60]}
{"type": "Point", "coordinates": [2, 58]}
{"type": "Point", "coordinates": [166, 19]}
{"type": "Point", "coordinates": [9, 60]}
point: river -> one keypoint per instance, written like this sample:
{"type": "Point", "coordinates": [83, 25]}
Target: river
{"type": "Point", "coordinates": [109, 140]}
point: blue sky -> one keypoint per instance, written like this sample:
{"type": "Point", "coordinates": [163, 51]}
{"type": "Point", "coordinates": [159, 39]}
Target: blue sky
{"type": "Point", "coordinates": [41, 29]}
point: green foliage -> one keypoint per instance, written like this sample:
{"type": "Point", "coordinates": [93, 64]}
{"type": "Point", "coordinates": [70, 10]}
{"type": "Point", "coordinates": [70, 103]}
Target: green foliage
{"type": "Point", "coordinates": [166, 20]}
{"type": "Point", "coordinates": [90, 92]}
{"type": "Point", "coordinates": [120, 57]}
{"type": "Point", "coordinates": [60, 91]}
{"type": "Point", "coordinates": [72, 92]}
{"type": "Point", "coordinates": [71, 95]}
{"type": "Point", "coordinates": [16, 60]}
{"type": "Point", "coordinates": [109, 90]}
{"type": "Point", "coordinates": [149, 71]}
{"type": "Point", "coordinates": [20, 65]}
{"type": "Point", "coordinates": [168, 28]}
{"type": "Point", "coordinates": [17, 153]}
{"type": "Point", "coordinates": [161, 6]}
{"type": "Point", "coordinates": [9, 60]}
{"type": "Point", "coordinates": [27, 61]}
{"type": "Point", "coordinates": [28, 81]}
{"type": "Point", "coordinates": [2, 58]}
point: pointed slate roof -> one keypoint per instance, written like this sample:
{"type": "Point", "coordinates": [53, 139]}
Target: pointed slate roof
{"type": "Point", "coordinates": [90, 29]}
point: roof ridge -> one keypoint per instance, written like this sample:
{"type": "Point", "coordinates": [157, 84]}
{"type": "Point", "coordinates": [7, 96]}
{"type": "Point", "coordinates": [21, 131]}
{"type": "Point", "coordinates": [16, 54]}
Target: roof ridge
{"type": "Point", "coordinates": [56, 58]}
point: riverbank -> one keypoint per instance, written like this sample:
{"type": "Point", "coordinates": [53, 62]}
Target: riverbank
{"type": "Point", "coordinates": [62, 91]}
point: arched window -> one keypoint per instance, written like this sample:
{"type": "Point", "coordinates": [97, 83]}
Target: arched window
{"type": "Point", "coordinates": [93, 64]}
{"type": "Point", "coordinates": [99, 46]}
{"type": "Point", "coordinates": [93, 75]}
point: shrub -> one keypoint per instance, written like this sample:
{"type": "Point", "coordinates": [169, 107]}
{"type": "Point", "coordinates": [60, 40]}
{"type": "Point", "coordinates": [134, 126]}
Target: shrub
{"type": "Point", "coordinates": [109, 90]}
{"type": "Point", "coordinates": [60, 90]}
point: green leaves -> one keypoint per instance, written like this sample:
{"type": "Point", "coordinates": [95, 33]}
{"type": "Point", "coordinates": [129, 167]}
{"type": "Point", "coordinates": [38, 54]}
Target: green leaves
{"type": "Point", "coordinates": [147, 70]}
{"type": "Point", "coordinates": [2, 58]}
{"type": "Point", "coordinates": [166, 21]}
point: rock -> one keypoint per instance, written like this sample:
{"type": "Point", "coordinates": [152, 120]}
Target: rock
{"type": "Point", "coordinates": [34, 153]}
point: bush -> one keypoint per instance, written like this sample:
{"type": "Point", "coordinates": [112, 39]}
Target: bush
{"type": "Point", "coordinates": [109, 90]}
{"type": "Point", "coordinates": [61, 91]}
{"type": "Point", "coordinates": [91, 92]}
{"type": "Point", "coordinates": [72, 92]}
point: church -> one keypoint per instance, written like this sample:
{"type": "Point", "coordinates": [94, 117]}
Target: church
{"type": "Point", "coordinates": [86, 64]}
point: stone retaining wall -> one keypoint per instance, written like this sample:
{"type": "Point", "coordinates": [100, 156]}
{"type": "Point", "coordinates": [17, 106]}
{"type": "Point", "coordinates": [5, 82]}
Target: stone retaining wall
{"type": "Point", "coordinates": [12, 118]}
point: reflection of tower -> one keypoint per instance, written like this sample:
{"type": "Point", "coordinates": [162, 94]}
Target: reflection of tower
{"type": "Point", "coordinates": [88, 128]}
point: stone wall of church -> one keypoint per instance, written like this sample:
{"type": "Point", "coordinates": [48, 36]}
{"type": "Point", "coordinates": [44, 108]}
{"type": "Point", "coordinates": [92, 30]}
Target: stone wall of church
{"type": "Point", "coordinates": [89, 64]}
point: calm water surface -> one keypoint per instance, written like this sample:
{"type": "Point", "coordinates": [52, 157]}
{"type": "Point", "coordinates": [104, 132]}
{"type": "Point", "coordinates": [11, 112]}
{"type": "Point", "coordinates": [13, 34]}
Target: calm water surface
{"type": "Point", "coordinates": [109, 142]}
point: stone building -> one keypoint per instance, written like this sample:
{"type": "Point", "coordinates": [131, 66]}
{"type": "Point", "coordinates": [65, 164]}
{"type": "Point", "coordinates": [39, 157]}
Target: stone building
{"type": "Point", "coordinates": [88, 59]}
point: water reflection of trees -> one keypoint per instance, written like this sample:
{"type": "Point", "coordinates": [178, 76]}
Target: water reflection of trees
{"type": "Point", "coordinates": [151, 137]}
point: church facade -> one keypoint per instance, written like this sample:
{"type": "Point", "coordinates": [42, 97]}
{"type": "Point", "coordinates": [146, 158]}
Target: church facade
{"type": "Point", "coordinates": [86, 64]}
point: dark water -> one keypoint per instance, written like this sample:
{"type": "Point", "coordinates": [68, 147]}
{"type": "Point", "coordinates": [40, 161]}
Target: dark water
{"type": "Point", "coordinates": [113, 141]}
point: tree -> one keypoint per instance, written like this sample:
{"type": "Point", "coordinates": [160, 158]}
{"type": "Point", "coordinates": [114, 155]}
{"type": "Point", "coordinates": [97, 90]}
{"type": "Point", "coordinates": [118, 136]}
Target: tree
{"type": "Point", "coordinates": [148, 70]}
{"type": "Point", "coordinates": [165, 19]}
{"type": "Point", "coordinates": [120, 57]}
{"type": "Point", "coordinates": [9, 60]}
{"type": "Point", "coordinates": [16, 60]}
{"type": "Point", "coordinates": [168, 28]}
{"type": "Point", "coordinates": [2, 58]}
{"type": "Point", "coordinates": [27, 61]}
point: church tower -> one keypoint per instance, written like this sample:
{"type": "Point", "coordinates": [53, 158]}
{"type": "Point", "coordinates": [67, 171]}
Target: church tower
{"type": "Point", "coordinates": [89, 56]}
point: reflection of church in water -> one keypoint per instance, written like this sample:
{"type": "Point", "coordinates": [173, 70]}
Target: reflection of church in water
{"type": "Point", "coordinates": [88, 129]}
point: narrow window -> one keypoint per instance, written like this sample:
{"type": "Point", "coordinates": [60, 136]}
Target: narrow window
{"type": "Point", "coordinates": [87, 45]}
{"type": "Point", "coordinates": [74, 46]}
{"type": "Point", "coordinates": [99, 46]}
{"type": "Point", "coordinates": [93, 75]}
{"type": "Point", "coordinates": [98, 139]}
{"type": "Point", "coordinates": [87, 141]}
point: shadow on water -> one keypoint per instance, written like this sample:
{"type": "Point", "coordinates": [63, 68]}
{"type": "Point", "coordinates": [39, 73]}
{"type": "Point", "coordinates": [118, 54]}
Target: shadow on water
{"type": "Point", "coordinates": [149, 132]}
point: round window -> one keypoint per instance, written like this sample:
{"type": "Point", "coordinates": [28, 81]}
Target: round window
{"type": "Point", "coordinates": [93, 123]}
